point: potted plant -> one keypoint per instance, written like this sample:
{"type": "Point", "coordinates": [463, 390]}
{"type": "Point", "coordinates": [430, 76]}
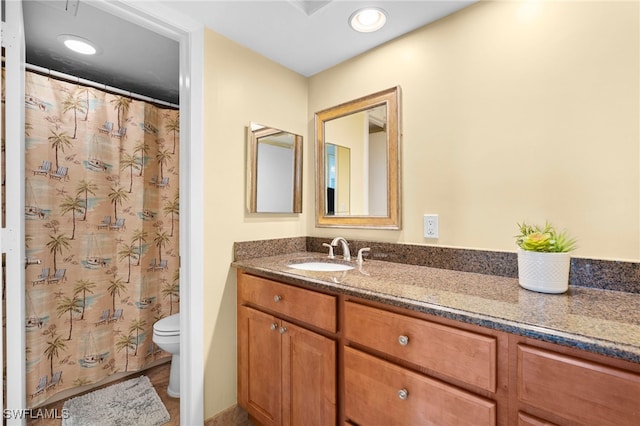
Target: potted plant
{"type": "Point", "coordinates": [544, 258]}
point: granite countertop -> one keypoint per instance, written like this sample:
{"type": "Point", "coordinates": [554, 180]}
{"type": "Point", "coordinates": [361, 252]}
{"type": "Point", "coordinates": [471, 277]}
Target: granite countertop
{"type": "Point", "coordinates": [600, 321]}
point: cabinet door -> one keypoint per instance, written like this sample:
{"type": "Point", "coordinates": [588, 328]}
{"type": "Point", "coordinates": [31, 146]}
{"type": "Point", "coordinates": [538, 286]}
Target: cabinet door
{"type": "Point", "coordinates": [582, 391]}
{"type": "Point", "coordinates": [309, 378]}
{"type": "Point", "coordinates": [259, 365]}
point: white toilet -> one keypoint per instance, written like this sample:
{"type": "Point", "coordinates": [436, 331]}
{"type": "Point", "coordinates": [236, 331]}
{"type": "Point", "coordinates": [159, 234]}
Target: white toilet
{"type": "Point", "coordinates": [166, 334]}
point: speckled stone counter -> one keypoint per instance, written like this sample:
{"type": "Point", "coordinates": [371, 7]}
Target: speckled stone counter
{"type": "Point", "coordinates": [600, 321]}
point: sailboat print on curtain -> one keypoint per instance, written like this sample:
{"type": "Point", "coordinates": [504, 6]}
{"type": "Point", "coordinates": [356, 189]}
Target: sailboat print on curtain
{"type": "Point", "coordinates": [102, 206]}
{"type": "Point", "coordinates": [95, 160]}
{"type": "Point", "coordinates": [32, 209]}
{"type": "Point", "coordinates": [146, 298]}
{"type": "Point", "coordinates": [149, 204]}
{"type": "Point", "coordinates": [91, 356]}
{"type": "Point", "coordinates": [34, 320]}
{"type": "Point", "coordinates": [94, 258]}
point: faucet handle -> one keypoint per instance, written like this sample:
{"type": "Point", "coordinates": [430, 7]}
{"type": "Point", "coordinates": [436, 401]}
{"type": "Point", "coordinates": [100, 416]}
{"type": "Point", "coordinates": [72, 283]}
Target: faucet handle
{"type": "Point", "coordinates": [362, 250]}
{"type": "Point", "coordinates": [331, 256]}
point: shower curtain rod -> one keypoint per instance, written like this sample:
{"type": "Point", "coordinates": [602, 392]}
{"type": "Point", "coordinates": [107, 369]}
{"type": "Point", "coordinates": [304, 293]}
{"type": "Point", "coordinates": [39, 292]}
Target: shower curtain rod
{"type": "Point", "coordinates": [73, 79]}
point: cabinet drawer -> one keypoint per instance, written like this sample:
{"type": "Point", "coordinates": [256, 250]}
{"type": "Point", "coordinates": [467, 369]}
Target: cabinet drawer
{"type": "Point", "coordinates": [459, 354]}
{"type": "Point", "coordinates": [576, 389]}
{"type": "Point", "coordinates": [380, 393]}
{"type": "Point", "coordinates": [305, 305]}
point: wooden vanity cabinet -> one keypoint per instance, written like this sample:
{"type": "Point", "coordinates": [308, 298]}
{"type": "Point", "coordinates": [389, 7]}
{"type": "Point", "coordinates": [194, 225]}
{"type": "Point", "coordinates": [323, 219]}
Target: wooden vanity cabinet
{"type": "Point", "coordinates": [386, 364]}
{"type": "Point", "coordinates": [553, 385]}
{"type": "Point", "coordinates": [286, 372]}
{"type": "Point", "coordinates": [310, 358]}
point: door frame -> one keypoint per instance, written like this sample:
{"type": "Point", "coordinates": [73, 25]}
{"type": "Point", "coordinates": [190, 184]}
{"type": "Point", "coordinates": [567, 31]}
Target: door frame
{"type": "Point", "coordinates": [12, 235]}
{"type": "Point", "coordinates": [155, 16]}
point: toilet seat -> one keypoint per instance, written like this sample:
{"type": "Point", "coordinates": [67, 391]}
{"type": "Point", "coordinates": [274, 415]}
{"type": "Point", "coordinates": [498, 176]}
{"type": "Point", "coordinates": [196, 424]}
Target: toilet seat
{"type": "Point", "coordinates": [168, 326]}
{"type": "Point", "coordinates": [166, 333]}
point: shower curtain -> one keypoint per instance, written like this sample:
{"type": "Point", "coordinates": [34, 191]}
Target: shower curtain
{"type": "Point", "coordinates": [102, 211]}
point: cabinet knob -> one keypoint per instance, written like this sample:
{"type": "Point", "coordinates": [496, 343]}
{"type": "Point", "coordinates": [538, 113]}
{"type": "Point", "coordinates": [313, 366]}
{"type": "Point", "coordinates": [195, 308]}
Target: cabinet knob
{"type": "Point", "coordinates": [403, 394]}
{"type": "Point", "coordinates": [274, 326]}
{"type": "Point", "coordinates": [277, 298]}
{"type": "Point", "coordinates": [403, 340]}
{"type": "Point", "coordinates": [283, 330]}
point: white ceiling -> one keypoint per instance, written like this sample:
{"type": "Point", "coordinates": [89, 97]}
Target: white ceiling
{"type": "Point", "coordinates": [306, 36]}
{"type": "Point", "coordinates": [309, 42]}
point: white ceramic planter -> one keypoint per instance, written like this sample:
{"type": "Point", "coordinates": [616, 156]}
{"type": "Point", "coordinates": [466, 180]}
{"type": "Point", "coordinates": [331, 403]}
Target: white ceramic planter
{"type": "Point", "coordinates": [544, 272]}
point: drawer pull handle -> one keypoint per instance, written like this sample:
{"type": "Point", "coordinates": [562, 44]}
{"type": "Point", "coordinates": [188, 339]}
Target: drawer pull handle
{"type": "Point", "coordinates": [283, 330]}
{"type": "Point", "coordinates": [277, 298]}
{"type": "Point", "coordinates": [274, 326]}
{"type": "Point", "coordinates": [403, 394]}
{"type": "Point", "coordinates": [403, 340]}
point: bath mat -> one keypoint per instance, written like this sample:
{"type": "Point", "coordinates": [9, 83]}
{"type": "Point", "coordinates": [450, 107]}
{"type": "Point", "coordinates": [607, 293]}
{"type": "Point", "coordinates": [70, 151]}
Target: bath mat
{"type": "Point", "coordinates": [133, 402]}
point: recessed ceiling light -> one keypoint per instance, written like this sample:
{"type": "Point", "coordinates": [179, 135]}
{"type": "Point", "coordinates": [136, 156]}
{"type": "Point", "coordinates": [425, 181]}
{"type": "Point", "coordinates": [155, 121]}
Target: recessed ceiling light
{"type": "Point", "coordinates": [368, 19]}
{"type": "Point", "coordinates": [78, 44]}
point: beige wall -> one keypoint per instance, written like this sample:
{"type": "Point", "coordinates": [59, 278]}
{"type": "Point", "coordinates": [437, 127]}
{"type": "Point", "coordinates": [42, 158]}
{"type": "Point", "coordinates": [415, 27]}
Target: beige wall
{"type": "Point", "coordinates": [506, 117]}
{"type": "Point", "coordinates": [511, 112]}
{"type": "Point", "coordinates": [240, 86]}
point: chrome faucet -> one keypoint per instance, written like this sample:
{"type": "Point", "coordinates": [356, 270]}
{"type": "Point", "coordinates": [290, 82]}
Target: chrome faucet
{"type": "Point", "coordinates": [346, 254]}
{"type": "Point", "coordinates": [362, 250]}
{"type": "Point", "coordinates": [330, 247]}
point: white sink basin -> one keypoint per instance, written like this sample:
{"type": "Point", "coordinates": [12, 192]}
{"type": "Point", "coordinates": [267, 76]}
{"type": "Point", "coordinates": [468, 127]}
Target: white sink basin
{"type": "Point", "coordinates": [321, 266]}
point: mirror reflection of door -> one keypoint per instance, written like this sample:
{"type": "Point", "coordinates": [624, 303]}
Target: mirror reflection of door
{"type": "Point", "coordinates": [378, 162]}
{"type": "Point", "coordinates": [338, 180]}
{"type": "Point", "coordinates": [356, 164]}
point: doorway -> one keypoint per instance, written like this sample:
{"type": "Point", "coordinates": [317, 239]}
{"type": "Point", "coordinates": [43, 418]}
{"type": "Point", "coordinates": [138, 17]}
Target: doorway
{"type": "Point", "coordinates": [166, 21]}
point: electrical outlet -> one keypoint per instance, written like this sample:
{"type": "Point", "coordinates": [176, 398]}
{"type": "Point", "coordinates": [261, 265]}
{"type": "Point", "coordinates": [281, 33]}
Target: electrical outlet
{"type": "Point", "coordinates": [431, 226]}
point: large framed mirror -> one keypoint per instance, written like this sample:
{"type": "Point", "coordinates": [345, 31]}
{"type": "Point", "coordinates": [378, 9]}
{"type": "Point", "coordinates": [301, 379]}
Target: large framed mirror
{"type": "Point", "coordinates": [358, 163]}
{"type": "Point", "coordinates": [274, 170]}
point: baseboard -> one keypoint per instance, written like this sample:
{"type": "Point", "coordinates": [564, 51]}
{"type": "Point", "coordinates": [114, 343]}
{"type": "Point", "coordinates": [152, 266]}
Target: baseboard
{"type": "Point", "coordinates": [232, 416]}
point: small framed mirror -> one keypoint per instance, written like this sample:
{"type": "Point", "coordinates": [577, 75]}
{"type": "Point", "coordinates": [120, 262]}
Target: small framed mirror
{"type": "Point", "coordinates": [274, 170]}
{"type": "Point", "coordinates": [358, 163]}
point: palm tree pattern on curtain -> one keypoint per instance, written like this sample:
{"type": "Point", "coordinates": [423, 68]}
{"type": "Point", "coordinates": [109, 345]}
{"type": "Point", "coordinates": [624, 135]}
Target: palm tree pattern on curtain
{"type": "Point", "coordinates": [102, 214]}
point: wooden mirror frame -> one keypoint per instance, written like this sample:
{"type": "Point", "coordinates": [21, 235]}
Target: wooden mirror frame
{"type": "Point", "coordinates": [390, 98]}
{"type": "Point", "coordinates": [253, 137]}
